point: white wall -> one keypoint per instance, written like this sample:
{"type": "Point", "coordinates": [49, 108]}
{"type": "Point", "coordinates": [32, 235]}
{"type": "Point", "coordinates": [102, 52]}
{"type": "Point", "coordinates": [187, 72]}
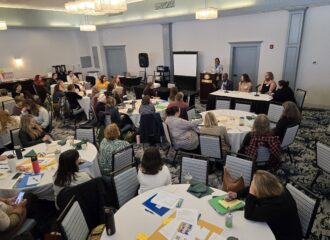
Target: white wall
{"type": "Point", "coordinates": [315, 47]}
{"type": "Point", "coordinates": [212, 38]}
{"type": "Point", "coordinates": [40, 49]}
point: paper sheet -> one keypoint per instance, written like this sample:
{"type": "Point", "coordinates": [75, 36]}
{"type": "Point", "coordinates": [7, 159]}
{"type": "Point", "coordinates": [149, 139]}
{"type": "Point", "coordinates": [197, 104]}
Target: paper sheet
{"type": "Point", "coordinates": [187, 215]}
{"type": "Point", "coordinates": [33, 180]}
{"type": "Point", "coordinates": [166, 199]}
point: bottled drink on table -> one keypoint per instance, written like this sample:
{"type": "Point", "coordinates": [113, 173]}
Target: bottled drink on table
{"type": "Point", "coordinates": [35, 164]}
{"type": "Point", "coordinates": [110, 221]}
{"type": "Point", "coordinates": [18, 151]}
{"type": "Point", "coordinates": [229, 220]}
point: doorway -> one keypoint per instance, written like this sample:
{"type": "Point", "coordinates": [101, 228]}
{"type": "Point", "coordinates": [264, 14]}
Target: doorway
{"type": "Point", "coordinates": [244, 59]}
{"type": "Point", "coordinates": [116, 60]}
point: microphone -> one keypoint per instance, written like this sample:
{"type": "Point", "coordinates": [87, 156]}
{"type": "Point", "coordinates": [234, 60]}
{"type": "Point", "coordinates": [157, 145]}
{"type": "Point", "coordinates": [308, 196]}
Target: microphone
{"type": "Point", "coordinates": [257, 90]}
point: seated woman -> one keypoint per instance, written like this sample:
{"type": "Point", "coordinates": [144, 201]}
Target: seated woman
{"type": "Point", "coordinates": [173, 92]}
{"type": "Point", "coordinates": [267, 200]}
{"type": "Point", "coordinates": [40, 113]}
{"type": "Point", "coordinates": [4, 96]}
{"type": "Point", "coordinates": [17, 110]}
{"type": "Point", "coordinates": [54, 79]}
{"type": "Point", "coordinates": [283, 93]}
{"type": "Point", "coordinates": [180, 104]}
{"type": "Point", "coordinates": [118, 94]}
{"type": "Point", "coordinates": [73, 97]}
{"type": "Point", "coordinates": [245, 84]}
{"type": "Point", "coordinates": [211, 128]}
{"type": "Point", "coordinates": [146, 106]}
{"type": "Point", "coordinates": [73, 79]}
{"type": "Point", "coordinates": [17, 90]}
{"type": "Point", "coordinates": [290, 116]}
{"type": "Point", "coordinates": [183, 133]}
{"type": "Point", "coordinates": [152, 171]}
{"type": "Point", "coordinates": [269, 85]}
{"type": "Point", "coordinates": [7, 123]}
{"type": "Point", "coordinates": [262, 134]}
{"type": "Point", "coordinates": [30, 132]}
{"type": "Point", "coordinates": [108, 146]}
{"type": "Point", "coordinates": [115, 81]}
{"type": "Point", "coordinates": [149, 90]}
{"type": "Point", "coordinates": [59, 90]}
{"type": "Point", "coordinates": [38, 81]}
{"type": "Point", "coordinates": [68, 174]}
{"type": "Point", "coordinates": [102, 83]}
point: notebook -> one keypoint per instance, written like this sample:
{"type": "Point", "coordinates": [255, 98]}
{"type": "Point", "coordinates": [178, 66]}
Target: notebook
{"type": "Point", "coordinates": [153, 207]}
{"type": "Point", "coordinates": [214, 202]}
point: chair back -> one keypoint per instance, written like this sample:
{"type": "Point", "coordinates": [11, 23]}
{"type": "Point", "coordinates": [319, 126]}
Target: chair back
{"type": "Point", "coordinates": [240, 167]}
{"type": "Point", "coordinates": [222, 104]}
{"type": "Point", "coordinates": [151, 129]}
{"type": "Point", "coordinates": [85, 134]}
{"type": "Point", "coordinates": [14, 136]}
{"type": "Point", "coordinates": [289, 135]}
{"type": "Point", "coordinates": [167, 134]}
{"type": "Point", "coordinates": [191, 113]}
{"type": "Point", "coordinates": [300, 95]}
{"type": "Point", "coordinates": [197, 168]}
{"type": "Point", "coordinates": [210, 146]}
{"type": "Point", "coordinates": [274, 112]}
{"type": "Point", "coordinates": [263, 155]}
{"type": "Point", "coordinates": [122, 158]}
{"type": "Point", "coordinates": [322, 156]}
{"type": "Point", "coordinates": [243, 106]}
{"type": "Point", "coordinates": [125, 184]}
{"type": "Point", "coordinates": [307, 208]}
{"type": "Point", "coordinates": [72, 222]}
{"type": "Point", "coordinates": [9, 105]}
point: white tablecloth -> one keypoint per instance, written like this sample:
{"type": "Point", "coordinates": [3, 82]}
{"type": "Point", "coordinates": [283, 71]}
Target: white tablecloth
{"type": "Point", "coordinates": [135, 115]}
{"type": "Point", "coordinates": [230, 119]}
{"type": "Point", "coordinates": [132, 218]}
{"type": "Point", "coordinates": [85, 103]}
{"type": "Point", "coordinates": [242, 95]}
{"type": "Point", "coordinates": [44, 190]}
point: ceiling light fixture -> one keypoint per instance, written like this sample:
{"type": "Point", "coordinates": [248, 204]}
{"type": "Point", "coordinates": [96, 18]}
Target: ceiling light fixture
{"type": "Point", "coordinates": [3, 25]}
{"type": "Point", "coordinates": [95, 7]}
{"type": "Point", "coordinates": [80, 7]}
{"type": "Point", "coordinates": [206, 13]}
{"type": "Point", "coordinates": [110, 6]}
{"type": "Point", "coordinates": [88, 28]}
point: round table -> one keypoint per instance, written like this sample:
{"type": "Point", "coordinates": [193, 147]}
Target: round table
{"type": "Point", "coordinates": [44, 189]}
{"type": "Point", "coordinates": [132, 218]}
{"type": "Point", "coordinates": [230, 120]}
{"type": "Point", "coordinates": [160, 106]}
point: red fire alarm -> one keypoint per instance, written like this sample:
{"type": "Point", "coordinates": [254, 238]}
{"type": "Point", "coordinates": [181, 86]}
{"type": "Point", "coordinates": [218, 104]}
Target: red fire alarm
{"type": "Point", "coordinates": [271, 46]}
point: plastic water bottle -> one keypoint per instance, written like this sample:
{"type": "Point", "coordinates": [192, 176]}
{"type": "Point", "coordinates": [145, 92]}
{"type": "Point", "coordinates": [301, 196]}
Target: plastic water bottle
{"type": "Point", "coordinates": [229, 220]}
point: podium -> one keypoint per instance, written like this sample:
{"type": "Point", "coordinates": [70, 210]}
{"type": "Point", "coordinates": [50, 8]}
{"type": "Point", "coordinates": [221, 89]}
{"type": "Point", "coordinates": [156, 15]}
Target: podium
{"type": "Point", "coordinates": [207, 85]}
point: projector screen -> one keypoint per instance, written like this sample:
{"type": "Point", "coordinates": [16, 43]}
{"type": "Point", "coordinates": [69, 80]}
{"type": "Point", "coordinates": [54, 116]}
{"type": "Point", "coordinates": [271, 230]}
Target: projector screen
{"type": "Point", "coordinates": [185, 64]}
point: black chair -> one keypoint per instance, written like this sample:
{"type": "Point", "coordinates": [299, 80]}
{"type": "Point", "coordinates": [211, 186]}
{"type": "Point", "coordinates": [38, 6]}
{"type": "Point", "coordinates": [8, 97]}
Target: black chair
{"type": "Point", "coordinates": [91, 80]}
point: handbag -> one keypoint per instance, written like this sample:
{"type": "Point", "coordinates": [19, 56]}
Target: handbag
{"type": "Point", "coordinates": [231, 184]}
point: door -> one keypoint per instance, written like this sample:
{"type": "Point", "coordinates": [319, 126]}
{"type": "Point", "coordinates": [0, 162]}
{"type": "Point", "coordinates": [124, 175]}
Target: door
{"type": "Point", "coordinates": [116, 60]}
{"type": "Point", "coordinates": [244, 59]}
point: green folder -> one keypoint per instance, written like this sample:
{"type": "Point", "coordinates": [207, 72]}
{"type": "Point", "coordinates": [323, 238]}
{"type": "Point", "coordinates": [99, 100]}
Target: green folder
{"type": "Point", "coordinates": [160, 107]}
{"type": "Point", "coordinates": [32, 153]}
{"type": "Point", "coordinates": [214, 202]}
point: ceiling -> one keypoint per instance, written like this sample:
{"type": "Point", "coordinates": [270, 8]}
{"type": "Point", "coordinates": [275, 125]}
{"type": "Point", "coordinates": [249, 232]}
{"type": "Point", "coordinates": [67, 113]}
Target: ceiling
{"type": "Point", "coordinates": [50, 13]}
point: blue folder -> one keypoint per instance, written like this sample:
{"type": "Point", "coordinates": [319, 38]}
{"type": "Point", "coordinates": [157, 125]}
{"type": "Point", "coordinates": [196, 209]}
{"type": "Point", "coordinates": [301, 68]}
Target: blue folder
{"type": "Point", "coordinates": [22, 183]}
{"type": "Point", "coordinates": [160, 211]}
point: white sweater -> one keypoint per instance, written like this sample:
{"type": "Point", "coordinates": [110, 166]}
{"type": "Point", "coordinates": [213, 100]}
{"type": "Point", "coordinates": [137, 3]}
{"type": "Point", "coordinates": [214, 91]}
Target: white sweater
{"type": "Point", "coordinates": [148, 182]}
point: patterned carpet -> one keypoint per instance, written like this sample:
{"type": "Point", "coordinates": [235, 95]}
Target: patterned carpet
{"type": "Point", "coordinates": [313, 127]}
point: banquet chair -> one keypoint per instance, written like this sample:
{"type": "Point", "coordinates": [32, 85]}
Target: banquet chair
{"type": "Point", "coordinates": [198, 168]}
{"type": "Point", "coordinates": [307, 205]}
{"type": "Point", "coordinates": [91, 80]}
{"type": "Point", "coordinates": [300, 95]}
{"type": "Point", "coordinates": [322, 160]}
{"type": "Point", "coordinates": [237, 167]}
{"type": "Point", "coordinates": [191, 113]}
{"type": "Point", "coordinates": [125, 184]}
{"type": "Point", "coordinates": [222, 103]}
{"type": "Point", "coordinates": [14, 136]}
{"type": "Point", "coordinates": [274, 113]}
{"type": "Point", "coordinates": [72, 223]}
{"type": "Point", "coordinates": [263, 155]}
{"type": "Point", "coordinates": [288, 139]}
{"type": "Point", "coordinates": [243, 106]}
{"type": "Point", "coordinates": [9, 105]}
{"type": "Point", "coordinates": [88, 134]}
{"type": "Point", "coordinates": [211, 146]}
{"type": "Point", "coordinates": [122, 158]}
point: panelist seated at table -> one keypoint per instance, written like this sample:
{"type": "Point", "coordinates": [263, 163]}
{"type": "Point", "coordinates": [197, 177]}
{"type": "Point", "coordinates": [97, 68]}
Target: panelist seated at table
{"type": "Point", "coordinates": [67, 173]}
{"type": "Point", "coordinates": [7, 122]}
{"type": "Point", "coordinates": [262, 134]}
{"type": "Point", "coordinates": [183, 133]}
{"type": "Point", "coordinates": [269, 85]}
{"type": "Point", "coordinates": [225, 83]}
{"type": "Point", "coordinates": [17, 90]}
{"type": "Point", "coordinates": [211, 128]}
{"type": "Point", "coordinates": [180, 104]}
{"type": "Point", "coordinates": [149, 90]}
{"type": "Point", "coordinates": [267, 200]}
{"type": "Point", "coordinates": [290, 116]}
{"type": "Point", "coordinates": [146, 106]}
{"type": "Point", "coordinates": [118, 94]}
{"type": "Point", "coordinates": [153, 173]}
{"type": "Point", "coordinates": [245, 84]}
{"type": "Point", "coordinates": [102, 83]}
{"type": "Point", "coordinates": [284, 92]}
{"type": "Point", "coordinates": [109, 145]}
{"type": "Point", "coordinates": [31, 133]}
{"type": "Point", "coordinates": [40, 113]}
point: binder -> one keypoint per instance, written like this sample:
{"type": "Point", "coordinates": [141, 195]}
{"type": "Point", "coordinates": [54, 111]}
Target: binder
{"type": "Point", "coordinates": [22, 183]}
{"type": "Point", "coordinates": [214, 202]}
{"type": "Point", "coordinates": [160, 211]}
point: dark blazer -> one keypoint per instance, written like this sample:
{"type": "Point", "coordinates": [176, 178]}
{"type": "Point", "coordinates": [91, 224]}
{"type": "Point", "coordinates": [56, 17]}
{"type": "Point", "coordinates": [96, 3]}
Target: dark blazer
{"type": "Point", "coordinates": [283, 95]}
{"type": "Point", "coordinates": [73, 99]}
{"type": "Point", "coordinates": [26, 139]}
{"type": "Point", "coordinates": [280, 213]}
{"type": "Point", "coordinates": [151, 128]}
{"type": "Point", "coordinates": [229, 85]}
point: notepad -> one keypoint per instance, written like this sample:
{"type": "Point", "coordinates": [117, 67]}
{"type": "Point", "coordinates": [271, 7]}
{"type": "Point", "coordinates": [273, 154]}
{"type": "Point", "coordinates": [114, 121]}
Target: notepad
{"type": "Point", "coordinates": [214, 202]}
{"type": "Point", "coordinates": [229, 204]}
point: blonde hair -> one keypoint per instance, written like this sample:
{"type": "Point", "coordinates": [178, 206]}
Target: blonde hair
{"type": "Point", "coordinates": [179, 96]}
{"type": "Point", "coordinates": [110, 102]}
{"type": "Point", "coordinates": [267, 185]}
{"type": "Point", "coordinates": [291, 111]}
{"type": "Point", "coordinates": [111, 132]}
{"type": "Point", "coordinates": [118, 88]}
{"type": "Point", "coordinates": [5, 120]}
{"type": "Point", "coordinates": [261, 125]}
{"type": "Point", "coordinates": [210, 120]}
{"type": "Point", "coordinates": [26, 126]}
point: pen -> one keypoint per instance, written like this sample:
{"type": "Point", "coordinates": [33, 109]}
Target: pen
{"type": "Point", "coordinates": [35, 179]}
{"type": "Point", "coordinates": [147, 210]}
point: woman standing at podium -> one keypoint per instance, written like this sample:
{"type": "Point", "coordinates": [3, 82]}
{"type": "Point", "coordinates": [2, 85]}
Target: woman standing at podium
{"type": "Point", "coordinates": [245, 84]}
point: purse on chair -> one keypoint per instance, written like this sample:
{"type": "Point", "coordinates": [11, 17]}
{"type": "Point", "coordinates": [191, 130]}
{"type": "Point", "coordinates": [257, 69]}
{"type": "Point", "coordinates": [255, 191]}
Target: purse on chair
{"type": "Point", "coordinates": [231, 184]}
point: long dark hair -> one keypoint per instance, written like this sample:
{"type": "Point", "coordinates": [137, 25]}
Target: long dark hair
{"type": "Point", "coordinates": [102, 78]}
{"type": "Point", "coordinates": [34, 107]}
{"type": "Point", "coordinates": [151, 162]}
{"type": "Point", "coordinates": [67, 168]}
{"type": "Point", "coordinates": [57, 88]}
{"type": "Point", "coordinates": [246, 77]}
{"type": "Point", "coordinates": [173, 92]}
{"type": "Point", "coordinates": [283, 83]}
{"type": "Point", "coordinates": [15, 87]}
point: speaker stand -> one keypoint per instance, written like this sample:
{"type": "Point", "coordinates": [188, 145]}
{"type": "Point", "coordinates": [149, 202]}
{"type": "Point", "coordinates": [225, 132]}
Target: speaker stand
{"type": "Point", "coordinates": [145, 76]}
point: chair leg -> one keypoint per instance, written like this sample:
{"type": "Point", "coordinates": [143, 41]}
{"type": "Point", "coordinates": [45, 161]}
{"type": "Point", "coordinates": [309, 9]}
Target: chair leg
{"type": "Point", "coordinates": [289, 153]}
{"type": "Point", "coordinates": [168, 149]}
{"type": "Point", "coordinates": [176, 153]}
{"type": "Point", "coordinates": [315, 178]}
